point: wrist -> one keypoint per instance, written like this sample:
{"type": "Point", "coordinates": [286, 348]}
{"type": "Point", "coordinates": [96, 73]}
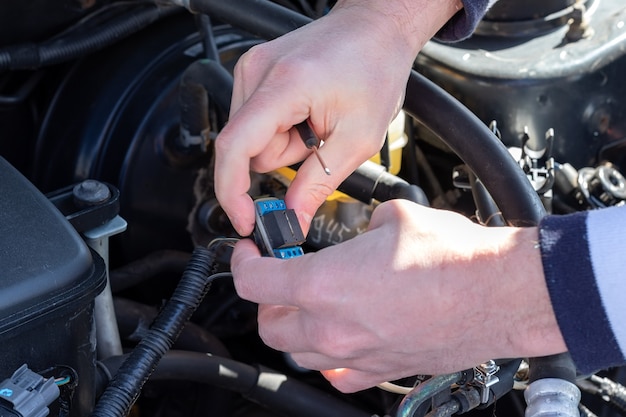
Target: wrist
{"type": "Point", "coordinates": [411, 23]}
{"type": "Point", "coordinates": [534, 330]}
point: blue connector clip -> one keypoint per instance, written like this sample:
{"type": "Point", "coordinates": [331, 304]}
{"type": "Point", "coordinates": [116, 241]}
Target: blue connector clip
{"type": "Point", "coordinates": [277, 231]}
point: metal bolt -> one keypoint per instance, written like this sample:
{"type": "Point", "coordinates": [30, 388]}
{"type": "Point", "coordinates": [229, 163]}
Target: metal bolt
{"type": "Point", "coordinates": [91, 193]}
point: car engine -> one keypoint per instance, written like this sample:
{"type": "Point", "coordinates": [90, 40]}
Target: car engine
{"type": "Point", "coordinates": [115, 297]}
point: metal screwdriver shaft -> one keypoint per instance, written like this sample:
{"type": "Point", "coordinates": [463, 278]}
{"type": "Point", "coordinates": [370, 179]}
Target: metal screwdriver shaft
{"type": "Point", "coordinates": [311, 141]}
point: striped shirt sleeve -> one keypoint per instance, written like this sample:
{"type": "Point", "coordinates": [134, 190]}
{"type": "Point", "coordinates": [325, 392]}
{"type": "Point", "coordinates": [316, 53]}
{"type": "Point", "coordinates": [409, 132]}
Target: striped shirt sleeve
{"type": "Point", "coordinates": [462, 25]}
{"type": "Point", "coordinates": [584, 262]}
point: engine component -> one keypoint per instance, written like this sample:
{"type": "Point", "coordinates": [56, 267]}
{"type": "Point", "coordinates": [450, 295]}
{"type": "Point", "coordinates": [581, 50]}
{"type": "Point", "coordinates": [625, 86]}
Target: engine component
{"type": "Point", "coordinates": [28, 393]}
{"type": "Point", "coordinates": [418, 398]}
{"type": "Point", "coordinates": [552, 396]}
{"type": "Point", "coordinates": [603, 186]}
{"type": "Point", "coordinates": [148, 127]}
{"type": "Point", "coordinates": [49, 282]}
{"type": "Point", "coordinates": [68, 46]}
{"type": "Point", "coordinates": [575, 88]}
{"type": "Point", "coordinates": [130, 135]}
{"type": "Point", "coordinates": [87, 205]}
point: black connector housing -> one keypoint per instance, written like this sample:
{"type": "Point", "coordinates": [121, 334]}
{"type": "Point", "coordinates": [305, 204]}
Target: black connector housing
{"type": "Point", "coordinates": [277, 231]}
{"type": "Point", "coordinates": [280, 228]}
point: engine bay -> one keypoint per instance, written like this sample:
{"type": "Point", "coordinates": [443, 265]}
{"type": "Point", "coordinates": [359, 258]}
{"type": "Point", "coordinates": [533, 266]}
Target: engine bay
{"type": "Point", "coordinates": [109, 111]}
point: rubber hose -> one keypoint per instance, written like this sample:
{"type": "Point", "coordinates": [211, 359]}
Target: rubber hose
{"type": "Point", "coordinates": [372, 181]}
{"type": "Point", "coordinates": [205, 28]}
{"type": "Point", "coordinates": [133, 319]}
{"type": "Point", "coordinates": [272, 390]}
{"type": "Point", "coordinates": [261, 18]}
{"type": "Point", "coordinates": [472, 140]}
{"type": "Point", "coordinates": [150, 266]}
{"type": "Point", "coordinates": [125, 387]}
{"type": "Point", "coordinates": [554, 366]}
{"type": "Point", "coordinates": [32, 56]}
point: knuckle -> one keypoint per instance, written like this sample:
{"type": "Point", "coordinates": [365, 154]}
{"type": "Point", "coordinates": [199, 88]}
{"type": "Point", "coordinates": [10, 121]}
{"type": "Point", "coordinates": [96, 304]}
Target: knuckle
{"type": "Point", "coordinates": [251, 59]}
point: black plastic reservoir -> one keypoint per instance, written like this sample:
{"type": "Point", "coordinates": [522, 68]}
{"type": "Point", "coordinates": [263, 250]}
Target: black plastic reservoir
{"type": "Point", "coordinates": [49, 279]}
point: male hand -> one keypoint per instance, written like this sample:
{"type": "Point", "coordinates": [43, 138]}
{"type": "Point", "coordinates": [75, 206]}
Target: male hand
{"type": "Point", "coordinates": [346, 73]}
{"type": "Point", "coordinates": [423, 291]}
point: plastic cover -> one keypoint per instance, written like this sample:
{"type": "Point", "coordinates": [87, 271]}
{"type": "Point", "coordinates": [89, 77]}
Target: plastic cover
{"type": "Point", "coordinates": [44, 264]}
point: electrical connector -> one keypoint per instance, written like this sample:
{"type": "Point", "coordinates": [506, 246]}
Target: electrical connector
{"type": "Point", "coordinates": [277, 231]}
{"type": "Point", "coordinates": [27, 394]}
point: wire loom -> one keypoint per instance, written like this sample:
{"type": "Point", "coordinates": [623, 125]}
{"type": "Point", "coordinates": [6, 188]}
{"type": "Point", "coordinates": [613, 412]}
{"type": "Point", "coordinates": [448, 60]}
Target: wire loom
{"type": "Point", "coordinates": [124, 389]}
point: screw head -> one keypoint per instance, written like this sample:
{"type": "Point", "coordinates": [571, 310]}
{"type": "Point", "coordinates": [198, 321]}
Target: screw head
{"type": "Point", "coordinates": [91, 193]}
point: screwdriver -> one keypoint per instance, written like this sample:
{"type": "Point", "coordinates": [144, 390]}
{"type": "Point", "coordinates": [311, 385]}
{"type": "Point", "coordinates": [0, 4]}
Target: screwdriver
{"type": "Point", "coordinates": [311, 141]}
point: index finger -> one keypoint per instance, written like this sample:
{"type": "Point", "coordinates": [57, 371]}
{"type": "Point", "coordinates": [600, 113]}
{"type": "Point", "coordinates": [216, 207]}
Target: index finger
{"type": "Point", "coordinates": [245, 136]}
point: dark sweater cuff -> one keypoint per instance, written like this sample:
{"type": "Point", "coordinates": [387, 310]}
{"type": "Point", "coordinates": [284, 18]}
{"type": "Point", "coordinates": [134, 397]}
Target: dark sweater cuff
{"type": "Point", "coordinates": [462, 24]}
{"type": "Point", "coordinates": [575, 297]}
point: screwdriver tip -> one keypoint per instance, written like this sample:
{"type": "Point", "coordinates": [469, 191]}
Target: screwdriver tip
{"type": "Point", "coordinates": [319, 158]}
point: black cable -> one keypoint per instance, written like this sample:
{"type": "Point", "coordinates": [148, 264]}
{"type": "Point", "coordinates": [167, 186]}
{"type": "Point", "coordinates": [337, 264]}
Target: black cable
{"type": "Point", "coordinates": [488, 212]}
{"type": "Point", "coordinates": [205, 29]}
{"type": "Point", "coordinates": [73, 45]}
{"type": "Point", "coordinates": [270, 389]}
{"type": "Point", "coordinates": [125, 387]}
{"type": "Point", "coordinates": [261, 18]}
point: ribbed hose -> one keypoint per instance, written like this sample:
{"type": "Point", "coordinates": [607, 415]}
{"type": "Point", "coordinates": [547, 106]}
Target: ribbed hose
{"type": "Point", "coordinates": [126, 386]}
{"type": "Point", "coordinates": [32, 56]}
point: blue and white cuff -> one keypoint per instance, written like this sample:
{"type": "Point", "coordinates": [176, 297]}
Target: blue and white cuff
{"type": "Point", "coordinates": [581, 255]}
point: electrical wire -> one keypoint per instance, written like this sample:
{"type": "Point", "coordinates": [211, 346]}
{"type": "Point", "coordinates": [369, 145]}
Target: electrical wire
{"type": "Point", "coordinates": [395, 388]}
{"type": "Point", "coordinates": [62, 380]}
{"type": "Point", "coordinates": [226, 241]}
